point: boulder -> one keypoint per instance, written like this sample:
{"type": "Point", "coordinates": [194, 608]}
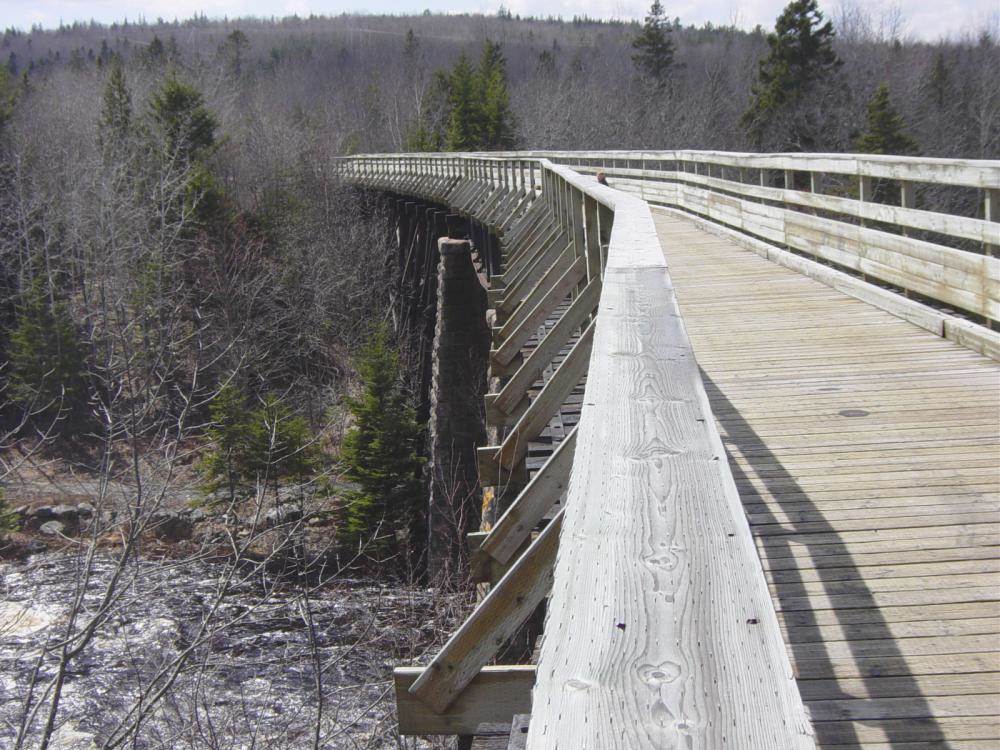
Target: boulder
{"type": "Point", "coordinates": [53, 528]}
{"type": "Point", "coordinates": [42, 513]}
{"type": "Point", "coordinates": [170, 525]}
{"type": "Point", "coordinates": [282, 514]}
{"type": "Point", "coordinates": [66, 513]}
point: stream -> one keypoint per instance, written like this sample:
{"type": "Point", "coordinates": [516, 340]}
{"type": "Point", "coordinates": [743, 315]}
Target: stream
{"type": "Point", "coordinates": [249, 681]}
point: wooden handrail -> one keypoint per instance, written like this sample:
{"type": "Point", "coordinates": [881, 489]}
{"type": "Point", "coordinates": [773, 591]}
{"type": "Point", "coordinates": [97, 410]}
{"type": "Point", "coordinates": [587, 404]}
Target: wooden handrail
{"type": "Point", "coordinates": [659, 606]}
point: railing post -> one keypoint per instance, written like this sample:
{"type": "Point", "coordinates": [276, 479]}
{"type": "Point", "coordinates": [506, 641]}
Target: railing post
{"type": "Point", "coordinates": [864, 188]}
{"type": "Point", "coordinates": [579, 233]}
{"type": "Point", "coordinates": [991, 212]}
{"type": "Point", "coordinates": [592, 238]}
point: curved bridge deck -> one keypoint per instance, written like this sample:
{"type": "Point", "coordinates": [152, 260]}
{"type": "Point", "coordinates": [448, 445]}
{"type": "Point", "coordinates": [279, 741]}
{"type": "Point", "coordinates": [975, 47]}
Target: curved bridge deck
{"type": "Point", "coordinates": [866, 453]}
{"type": "Point", "coordinates": [836, 582]}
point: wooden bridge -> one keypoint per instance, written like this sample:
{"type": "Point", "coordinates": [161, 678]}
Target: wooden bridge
{"type": "Point", "coordinates": [776, 523]}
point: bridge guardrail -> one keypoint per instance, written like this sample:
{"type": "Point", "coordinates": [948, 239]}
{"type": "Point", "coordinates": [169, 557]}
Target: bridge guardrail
{"type": "Point", "coordinates": [660, 629]}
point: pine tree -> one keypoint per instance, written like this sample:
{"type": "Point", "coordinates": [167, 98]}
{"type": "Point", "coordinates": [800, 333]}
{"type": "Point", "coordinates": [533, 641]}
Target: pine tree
{"type": "Point", "coordinates": [258, 447]}
{"type": "Point", "coordinates": [463, 120]}
{"type": "Point", "coordinates": [8, 519]}
{"type": "Point", "coordinates": [234, 50]}
{"type": "Point", "coordinates": [885, 130]}
{"type": "Point", "coordinates": [8, 94]}
{"type": "Point", "coordinates": [800, 57]}
{"type": "Point", "coordinates": [654, 54]}
{"type": "Point", "coordinates": [187, 127]}
{"type": "Point", "coordinates": [47, 360]}
{"type": "Point", "coordinates": [116, 112]}
{"type": "Point", "coordinates": [155, 54]}
{"type": "Point", "coordinates": [496, 122]}
{"type": "Point", "coordinates": [411, 46]}
{"type": "Point", "coordinates": [937, 108]}
{"type": "Point", "coordinates": [380, 451]}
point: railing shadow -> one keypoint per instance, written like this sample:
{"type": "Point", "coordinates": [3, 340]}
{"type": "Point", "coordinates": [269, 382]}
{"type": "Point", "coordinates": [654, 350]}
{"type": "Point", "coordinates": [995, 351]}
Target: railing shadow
{"type": "Point", "coordinates": [799, 642]}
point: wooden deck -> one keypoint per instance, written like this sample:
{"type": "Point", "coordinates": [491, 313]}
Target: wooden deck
{"type": "Point", "coordinates": [867, 456]}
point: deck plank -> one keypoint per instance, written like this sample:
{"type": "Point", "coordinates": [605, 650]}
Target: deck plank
{"type": "Point", "coordinates": [867, 455]}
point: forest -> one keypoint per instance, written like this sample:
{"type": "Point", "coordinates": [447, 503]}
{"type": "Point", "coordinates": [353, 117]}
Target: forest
{"type": "Point", "coordinates": [203, 386]}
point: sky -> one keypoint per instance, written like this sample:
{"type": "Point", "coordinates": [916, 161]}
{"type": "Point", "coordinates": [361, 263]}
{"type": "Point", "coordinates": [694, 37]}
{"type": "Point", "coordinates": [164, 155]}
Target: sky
{"type": "Point", "coordinates": [925, 19]}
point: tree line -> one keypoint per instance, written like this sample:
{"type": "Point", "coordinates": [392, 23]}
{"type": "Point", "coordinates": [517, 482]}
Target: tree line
{"type": "Point", "coordinates": [175, 249]}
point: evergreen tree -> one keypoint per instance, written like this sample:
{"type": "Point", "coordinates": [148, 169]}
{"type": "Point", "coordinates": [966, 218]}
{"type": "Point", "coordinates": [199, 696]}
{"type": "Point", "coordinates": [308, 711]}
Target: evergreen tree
{"type": "Point", "coordinates": [496, 122]}
{"type": "Point", "coordinates": [800, 57]}
{"type": "Point", "coordinates": [8, 94]}
{"type": "Point", "coordinates": [885, 131]}
{"type": "Point", "coordinates": [155, 53]}
{"type": "Point", "coordinates": [187, 127]}
{"type": "Point", "coordinates": [410, 47]}
{"type": "Point", "coordinates": [47, 360]}
{"type": "Point", "coordinates": [380, 451]}
{"type": "Point", "coordinates": [8, 519]}
{"type": "Point", "coordinates": [258, 447]}
{"type": "Point", "coordinates": [654, 50]}
{"type": "Point", "coordinates": [936, 106]}
{"type": "Point", "coordinates": [463, 119]}
{"type": "Point", "coordinates": [233, 50]}
{"type": "Point", "coordinates": [116, 111]}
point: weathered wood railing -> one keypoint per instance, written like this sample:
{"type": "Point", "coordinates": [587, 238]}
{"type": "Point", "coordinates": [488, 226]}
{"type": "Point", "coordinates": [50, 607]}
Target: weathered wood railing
{"type": "Point", "coordinates": [930, 228]}
{"type": "Point", "coordinates": [660, 631]}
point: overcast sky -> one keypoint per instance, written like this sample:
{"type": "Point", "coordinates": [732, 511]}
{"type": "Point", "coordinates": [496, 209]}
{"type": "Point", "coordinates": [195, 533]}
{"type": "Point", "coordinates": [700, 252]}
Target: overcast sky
{"type": "Point", "coordinates": [927, 19]}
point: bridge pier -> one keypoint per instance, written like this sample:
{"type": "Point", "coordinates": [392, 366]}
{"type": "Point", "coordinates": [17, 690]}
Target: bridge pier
{"type": "Point", "coordinates": [457, 420]}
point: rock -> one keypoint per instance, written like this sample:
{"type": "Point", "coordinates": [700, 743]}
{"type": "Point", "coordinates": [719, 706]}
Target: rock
{"type": "Point", "coordinates": [68, 738]}
{"type": "Point", "coordinates": [170, 525]}
{"type": "Point", "coordinates": [53, 528]}
{"type": "Point", "coordinates": [281, 514]}
{"type": "Point", "coordinates": [42, 513]}
{"type": "Point", "coordinates": [18, 620]}
{"type": "Point", "coordinates": [198, 515]}
{"type": "Point", "coordinates": [85, 510]}
{"type": "Point", "coordinates": [65, 513]}
{"type": "Point", "coordinates": [22, 511]}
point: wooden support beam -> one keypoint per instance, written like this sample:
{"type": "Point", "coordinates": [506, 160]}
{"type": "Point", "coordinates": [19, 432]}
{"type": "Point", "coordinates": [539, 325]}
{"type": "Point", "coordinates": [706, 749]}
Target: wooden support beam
{"type": "Point", "coordinates": [548, 281]}
{"type": "Point", "coordinates": [518, 739]}
{"type": "Point", "coordinates": [566, 377]}
{"type": "Point", "coordinates": [496, 619]}
{"type": "Point", "coordinates": [504, 370]}
{"type": "Point", "coordinates": [493, 696]}
{"type": "Point", "coordinates": [533, 272]}
{"type": "Point", "coordinates": [508, 534]}
{"type": "Point", "coordinates": [489, 469]}
{"type": "Point", "coordinates": [515, 389]}
{"type": "Point", "coordinates": [494, 295]}
{"type": "Point", "coordinates": [526, 252]}
{"type": "Point", "coordinates": [483, 568]}
{"type": "Point", "coordinates": [528, 325]}
{"type": "Point", "coordinates": [499, 417]}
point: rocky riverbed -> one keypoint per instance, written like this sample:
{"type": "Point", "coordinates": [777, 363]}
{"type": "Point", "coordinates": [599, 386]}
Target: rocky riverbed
{"type": "Point", "coordinates": [273, 667]}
